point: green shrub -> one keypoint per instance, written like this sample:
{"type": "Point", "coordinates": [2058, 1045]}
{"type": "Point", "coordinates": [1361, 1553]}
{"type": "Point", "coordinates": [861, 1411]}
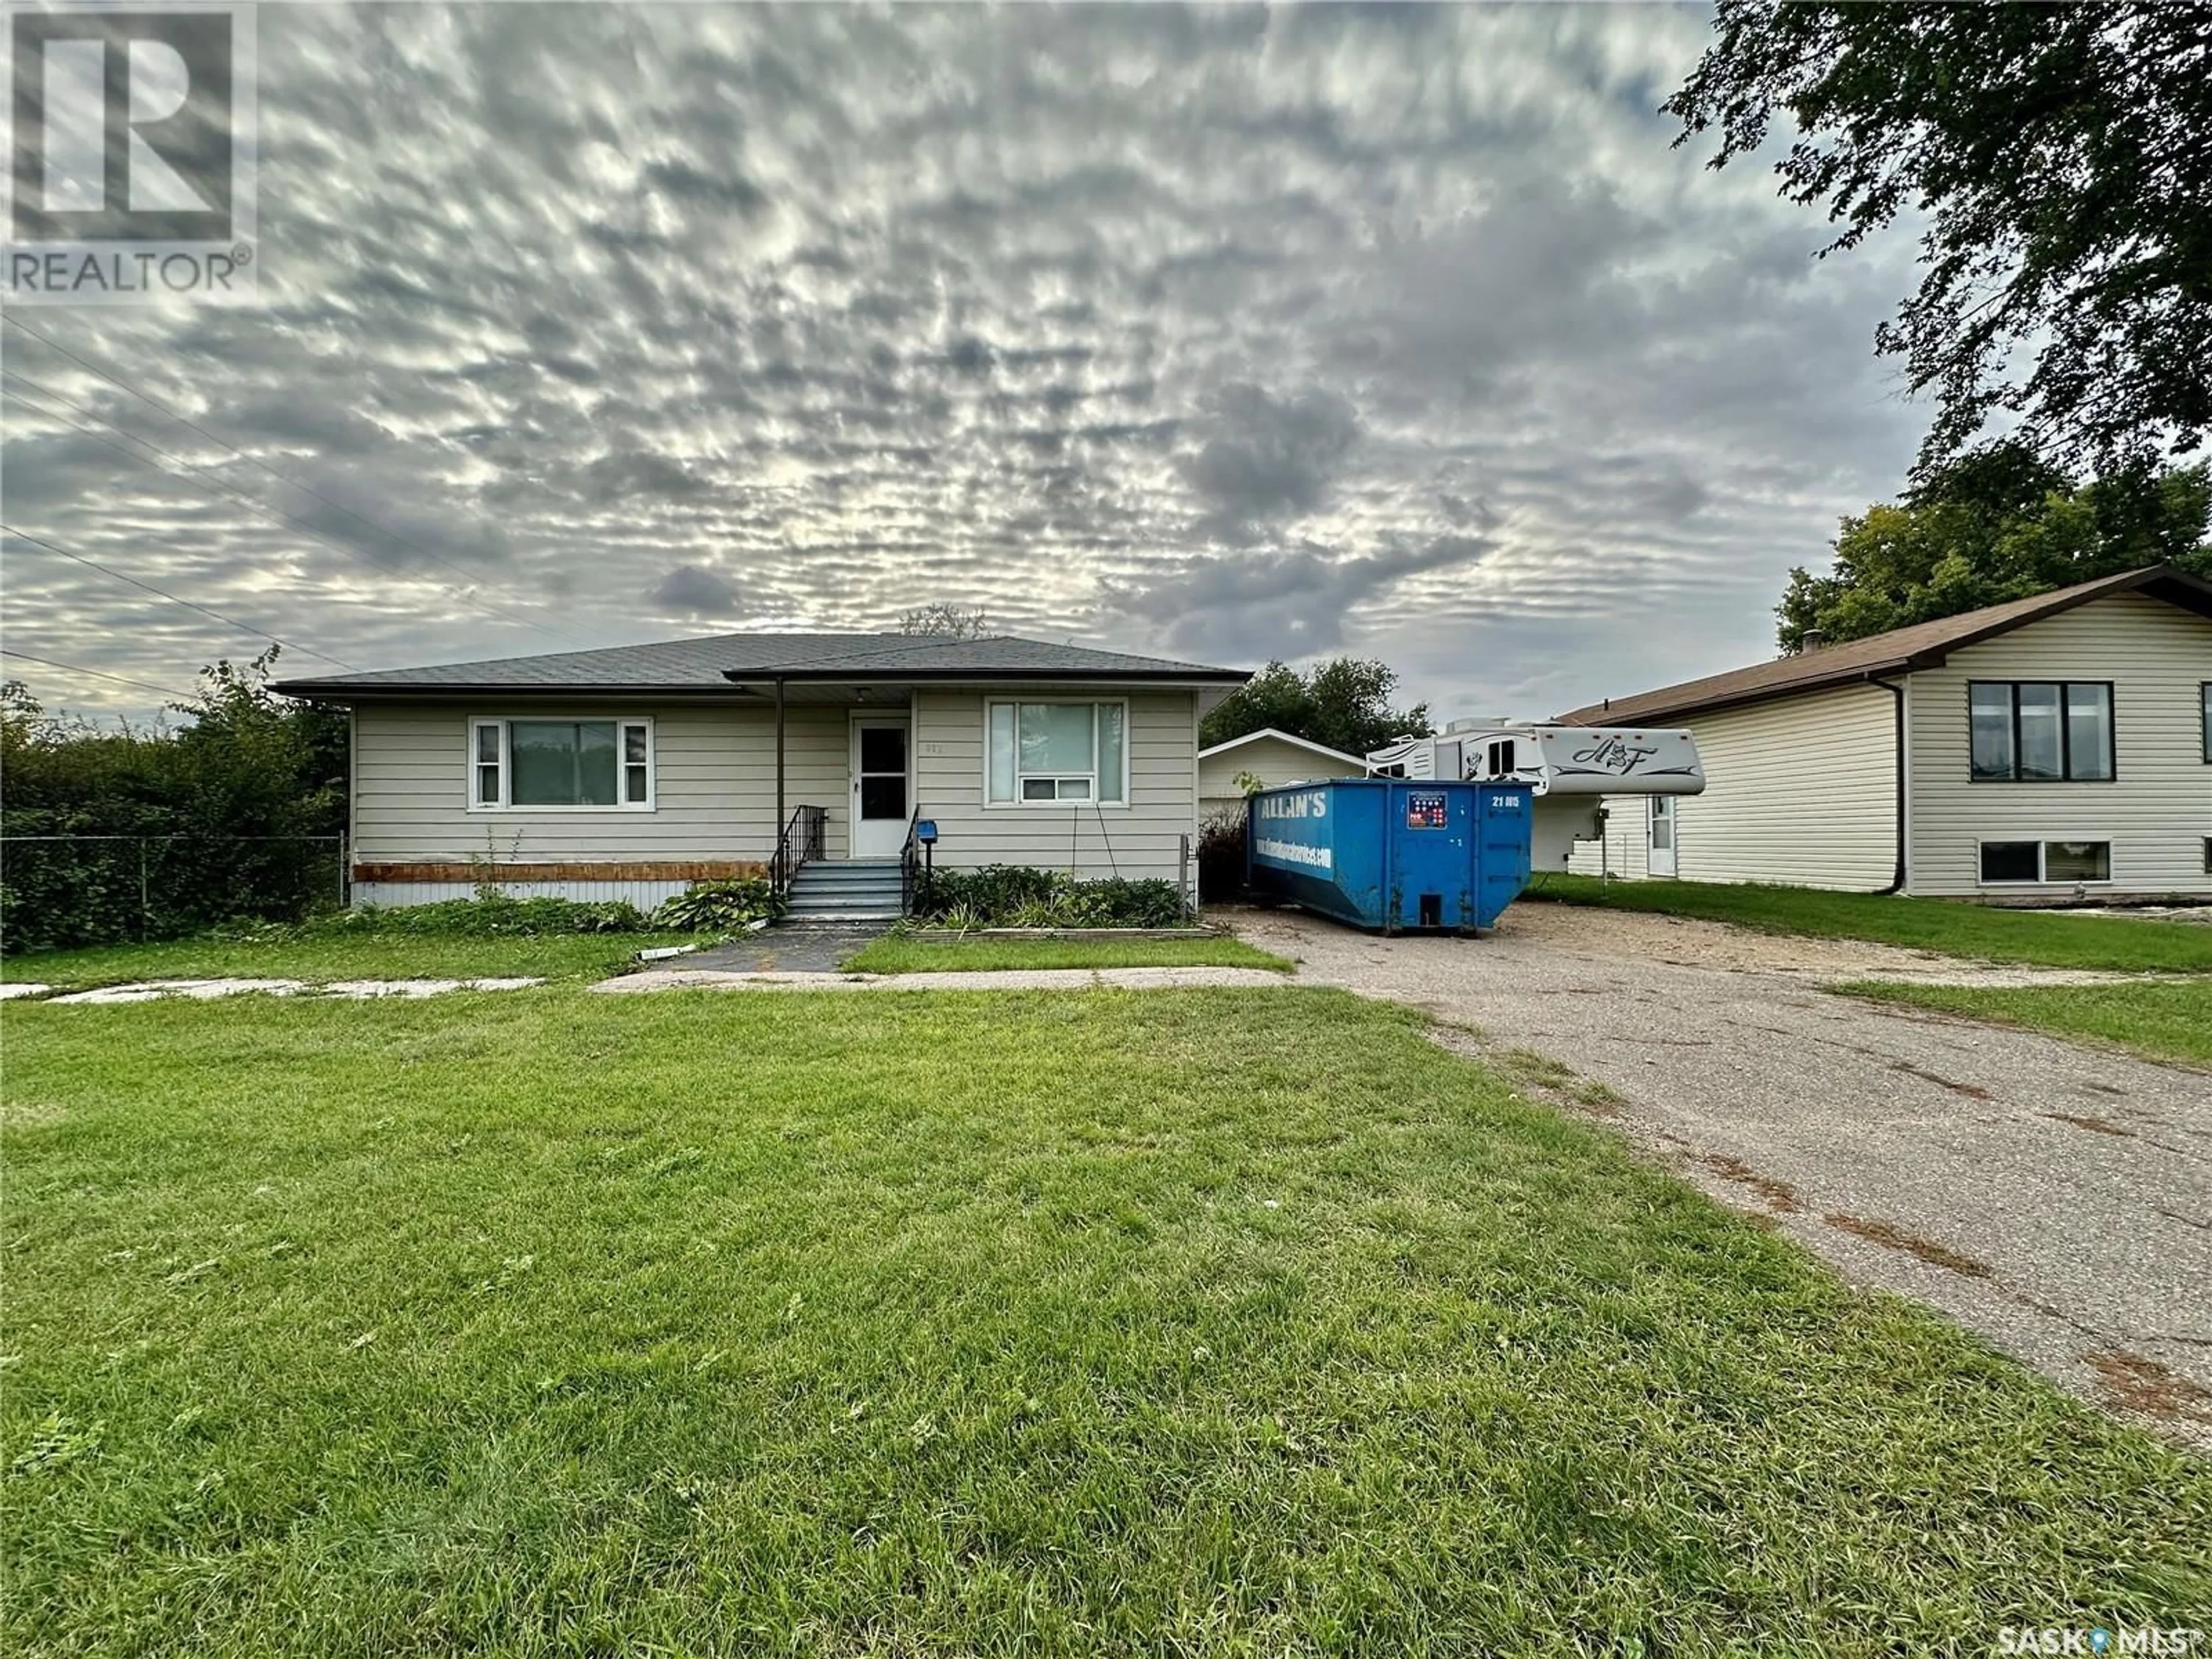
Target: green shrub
{"type": "Point", "coordinates": [158, 833]}
{"type": "Point", "coordinates": [490, 915]}
{"type": "Point", "coordinates": [1221, 855]}
{"type": "Point", "coordinates": [707, 907]}
{"type": "Point", "coordinates": [1012, 896]}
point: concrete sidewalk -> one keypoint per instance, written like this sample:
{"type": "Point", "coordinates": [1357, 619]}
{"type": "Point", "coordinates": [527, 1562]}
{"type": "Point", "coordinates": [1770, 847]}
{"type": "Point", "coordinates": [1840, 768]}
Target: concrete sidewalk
{"type": "Point", "coordinates": [1013, 979]}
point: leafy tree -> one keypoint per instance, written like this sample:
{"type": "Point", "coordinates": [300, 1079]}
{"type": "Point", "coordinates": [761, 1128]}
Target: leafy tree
{"type": "Point", "coordinates": [1993, 528]}
{"type": "Point", "coordinates": [161, 830]}
{"type": "Point", "coordinates": [947, 622]}
{"type": "Point", "coordinates": [1344, 703]}
{"type": "Point", "coordinates": [2057, 156]}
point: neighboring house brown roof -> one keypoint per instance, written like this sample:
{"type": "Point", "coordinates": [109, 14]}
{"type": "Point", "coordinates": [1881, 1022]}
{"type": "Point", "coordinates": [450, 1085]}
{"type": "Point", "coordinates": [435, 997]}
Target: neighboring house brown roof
{"type": "Point", "coordinates": [1900, 651]}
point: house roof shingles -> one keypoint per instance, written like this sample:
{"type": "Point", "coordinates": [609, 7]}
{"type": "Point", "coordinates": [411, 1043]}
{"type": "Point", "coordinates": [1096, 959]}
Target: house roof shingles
{"type": "Point", "coordinates": [1924, 645]}
{"type": "Point", "coordinates": [714, 664]}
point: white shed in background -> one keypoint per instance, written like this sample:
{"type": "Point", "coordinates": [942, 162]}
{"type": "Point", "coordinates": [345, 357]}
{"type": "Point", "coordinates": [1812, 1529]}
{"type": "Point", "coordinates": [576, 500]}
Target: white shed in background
{"type": "Point", "coordinates": [1271, 756]}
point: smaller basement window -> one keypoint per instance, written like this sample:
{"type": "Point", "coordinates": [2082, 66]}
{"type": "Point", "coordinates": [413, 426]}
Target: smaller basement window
{"type": "Point", "coordinates": [2066, 862]}
{"type": "Point", "coordinates": [561, 765]}
{"type": "Point", "coordinates": [2077, 860]}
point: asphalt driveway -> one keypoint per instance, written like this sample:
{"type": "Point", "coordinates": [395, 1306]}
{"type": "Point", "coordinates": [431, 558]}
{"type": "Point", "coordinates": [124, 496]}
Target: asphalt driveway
{"type": "Point", "coordinates": [2057, 1199]}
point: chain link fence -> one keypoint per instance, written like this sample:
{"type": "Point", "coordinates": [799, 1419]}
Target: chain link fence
{"type": "Point", "coordinates": [62, 890]}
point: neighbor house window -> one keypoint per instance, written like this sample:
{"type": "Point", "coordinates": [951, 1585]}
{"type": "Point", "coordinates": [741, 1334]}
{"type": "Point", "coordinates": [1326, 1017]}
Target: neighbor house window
{"type": "Point", "coordinates": [595, 765]}
{"type": "Point", "coordinates": [2065, 862]}
{"type": "Point", "coordinates": [2040, 732]}
{"type": "Point", "coordinates": [1044, 752]}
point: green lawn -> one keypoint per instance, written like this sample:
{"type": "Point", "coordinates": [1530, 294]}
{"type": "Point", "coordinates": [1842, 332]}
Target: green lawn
{"type": "Point", "coordinates": [2167, 1019]}
{"type": "Point", "coordinates": [2049, 939]}
{"type": "Point", "coordinates": [367, 955]}
{"type": "Point", "coordinates": [893, 955]}
{"type": "Point", "coordinates": [1204, 1322]}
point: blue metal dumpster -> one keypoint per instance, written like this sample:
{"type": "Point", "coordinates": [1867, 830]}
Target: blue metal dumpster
{"type": "Point", "coordinates": [1393, 853]}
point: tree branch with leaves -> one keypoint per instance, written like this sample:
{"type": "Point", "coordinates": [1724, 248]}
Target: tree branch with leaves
{"type": "Point", "coordinates": [2060, 159]}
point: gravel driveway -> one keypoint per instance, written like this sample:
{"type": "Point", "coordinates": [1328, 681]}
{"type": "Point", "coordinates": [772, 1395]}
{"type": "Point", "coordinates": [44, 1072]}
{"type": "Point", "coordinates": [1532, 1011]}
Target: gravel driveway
{"type": "Point", "coordinates": [2057, 1199]}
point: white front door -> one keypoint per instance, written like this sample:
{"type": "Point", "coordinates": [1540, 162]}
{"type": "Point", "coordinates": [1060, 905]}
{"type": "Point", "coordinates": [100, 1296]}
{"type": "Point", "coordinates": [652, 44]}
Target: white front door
{"type": "Point", "coordinates": [1659, 857]}
{"type": "Point", "coordinates": [879, 793]}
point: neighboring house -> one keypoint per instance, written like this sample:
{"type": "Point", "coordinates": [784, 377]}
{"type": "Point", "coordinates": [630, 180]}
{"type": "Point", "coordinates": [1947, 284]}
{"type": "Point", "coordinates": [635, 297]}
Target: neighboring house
{"type": "Point", "coordinates": [1270, 755]}
{"type": "Point", "coordinates": [628, 773]}
{"type": "Point", "coordinates": [2050, 747]}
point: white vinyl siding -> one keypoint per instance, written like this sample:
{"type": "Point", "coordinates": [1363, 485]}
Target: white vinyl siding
{"type": "Point", "coordinates": [1141, 837]}
{"type": "Point", "coordinates": [714, 787]}
{"type": "Point", "coordinates": [1269, 759]}
{"type": "Point", "coordinates": [714, 791]}
{"type": "Point", "coordinates": [1623, 850]}
{"type": "Point", "coordinates": [1802, 791]}
{"type": "Point", "coordinates": [2157, 808]}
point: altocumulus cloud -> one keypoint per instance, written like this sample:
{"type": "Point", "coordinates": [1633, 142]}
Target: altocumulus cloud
{"type": "Point", "coordinates": [687, 590]}
{"type": "Point", "coordinates": [1238, 333]}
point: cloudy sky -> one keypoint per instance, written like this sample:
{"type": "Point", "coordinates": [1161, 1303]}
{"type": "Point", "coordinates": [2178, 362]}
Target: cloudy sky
{"type": "Point", "coordinates": [1226, 335]}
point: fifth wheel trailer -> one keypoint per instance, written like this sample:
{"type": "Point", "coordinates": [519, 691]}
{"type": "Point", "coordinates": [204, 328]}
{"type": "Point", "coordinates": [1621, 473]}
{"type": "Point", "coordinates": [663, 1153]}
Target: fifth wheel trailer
{"type": "Point", "coordinates": [1571, 769]}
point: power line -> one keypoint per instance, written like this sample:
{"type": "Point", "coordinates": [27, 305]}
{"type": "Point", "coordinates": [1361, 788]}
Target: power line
{"type": "Point", "coordinates": [86, 431]}
{"type": "Point", "coordinates": [256, 503]}
{"type": "Point", "coordinates": [154, 402]}
{"type": "Point", "coordinates": [253, 502]}
{"type": "Point", "coordinates": [120, 679]}
{"type": "Point", "coordinates": [160, 593]}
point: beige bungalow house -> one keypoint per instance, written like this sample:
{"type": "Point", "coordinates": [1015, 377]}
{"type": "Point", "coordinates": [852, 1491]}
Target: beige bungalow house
{"type": "Point", "coordinates": [823, 761]}
{"type": "Point", "coordinates": [1272, 757]}
{"type": "Point", "coordinates": [2052, 749]}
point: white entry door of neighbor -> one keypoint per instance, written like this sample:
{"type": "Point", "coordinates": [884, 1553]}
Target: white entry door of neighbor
{"type": "Point", "coordinates": [1660, 855]}
{"type": "Point", "coordinates": [879, 793]}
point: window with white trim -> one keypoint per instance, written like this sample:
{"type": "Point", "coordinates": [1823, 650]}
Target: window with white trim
{"type": "Point", "coordinates": [570, 765]}
{"type": "Point", "coordinates": [2068, 862]}
{"type": "Point", "coordinates": [1042, 753]}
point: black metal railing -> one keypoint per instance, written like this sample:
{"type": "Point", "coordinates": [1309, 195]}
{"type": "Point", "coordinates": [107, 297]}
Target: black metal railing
{"type": "Point", "coordinates": [802, 840]}
{"type": "Point", "coordinates": [909, 864]}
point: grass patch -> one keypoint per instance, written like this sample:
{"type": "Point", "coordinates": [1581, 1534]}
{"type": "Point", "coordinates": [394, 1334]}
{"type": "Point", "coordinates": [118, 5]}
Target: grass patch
{"type": "Point", "coordinates": [2046, 938]}
{"type": "Point", "coordinates": [893, 955]}
{"type": "Point", "coordinates": [322, 959]}
{"type": "Point", "coordinates": [1209, 1321]}
{"type": "Point", "coordinates": [2162, 1019]}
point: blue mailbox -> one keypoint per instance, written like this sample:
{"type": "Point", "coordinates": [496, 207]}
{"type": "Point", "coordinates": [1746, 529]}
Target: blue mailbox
{"type": "Point", "coordinates": [1393, 854]}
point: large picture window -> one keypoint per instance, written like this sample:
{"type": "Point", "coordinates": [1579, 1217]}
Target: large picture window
{"type": "Point", "coordinates": [2040, 732]}
{"type": "Point", "coordinates": [573, 765]}
{"type": "Point", "coordinates": [1043, 753]}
